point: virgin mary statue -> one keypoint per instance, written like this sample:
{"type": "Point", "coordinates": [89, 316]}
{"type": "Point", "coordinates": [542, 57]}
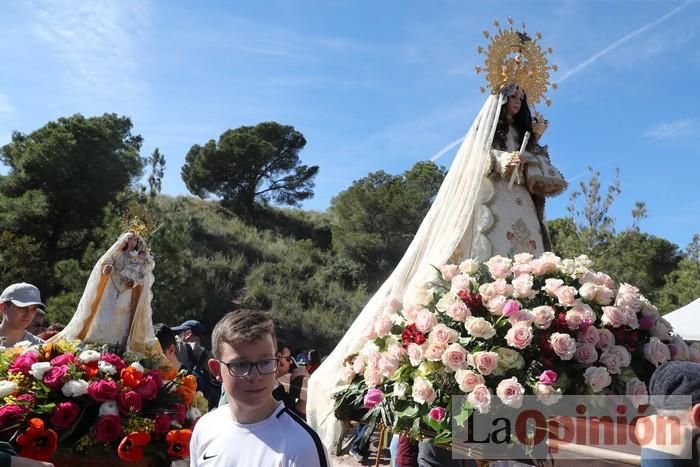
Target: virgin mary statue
{"type": "Point", "coordinates": [116, 305]}
{"type": "Point", "coordinates": [490, 203]}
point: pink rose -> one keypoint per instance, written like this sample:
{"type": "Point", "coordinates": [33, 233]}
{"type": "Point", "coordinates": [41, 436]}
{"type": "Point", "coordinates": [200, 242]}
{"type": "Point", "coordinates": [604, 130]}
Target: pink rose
{"type": "Point", "coordinates": [23, 363]}
{"type": "Point", "coordinates": [65, 359]}
{"type": "Point", "coordinates": [373, 358]}
{"type": "Point", "coordinates": [468, 380]}
{"type": "Point", "coordinates": [574, 319]}
{"type": "Point", "coordinates": [646, 322]}
{"type": "Point", "coordinates": [411, 312]}
{"type": "Point", "coordinates": [443, 334]}
{"type": "Point", "coordinates": [622, 354]}
{"type": "Point", "coordinates": [563, 345]}
{"type": "Point", "coordinates": [449, 271]}
{"type": "Point", "coordinates": [522, 316]}
{"type": "Point", "coordinates": [425, 321]}
{"type": "Point", "coordinates": [548, 377]}
{"type": "Point", "coordinates": [510, 392]}
{"type": "Point", "coordinates": [415, 353]}
{"type": "Point", "coordinates": [423, 391]}
{"type": "Point", "coordinates": [501, 287]}
{"type": "Point", "coordinates": [656, 352]}
{"type": "Point", "coordinates": [64, 414]}
{"type": "Point", "coordinates": [461, 282]}
{"type": "Point", "coordinates": [520, 335]}
{"type": "Point", "coordinates": [388, 365]}
{"type": "Point", "coordinates": [102, 390]}
{"type": "Point", "coordinates": [543, 316]}
{"type": "Point", "coordinates": [396, 350]}
{"type": "Point", "coordinates": [148, 389]}
{"type": "Point", "coordinates": [434, 351]}
{"type": "Point", "coordinates": [552, 285]}
{"type": "Point", "coordinates": [394, 305]}
{"type": "Point", "coordinates": [373, 398]}
{"type": "Point", "coordinates": [480, 398]}
{"type": "Point", "coordinates": [597, 378]}
{"type": "Point", "coordinates": [455, 357]}
{"type": "Point", "coordinates": [382, 326]}
{"type": "Point", "coordinates": [437, 413]}
{"type": "Point", "coordinates": [549, 261]}
{"type": "Point", "coordinates": [613, 316]}
{"type": "Point", "coordinates": [510, 308]}
{"type": "Point", "coordinates": [179, 413]}
{"type": "Point", "coordinates": [162, 423]}
{"type": "Point", "coordinates": [372, 377]}
{"type": "Point", "coordinates": [495, 304]}
{"type": "Point", "coordinates": [566, 295]}
{"type": "Point", "coordinates": [523, 258]}
{"type": "Point", "coordinates": [108, 429]}
{"type": "Point", "coordinates": [484, 362]}
{"type": "Point", "coordinates": [368, 331]}
{"type": "Point", "coordinates": [606, 339]}
{"type": "Point", "coordinates": [129, 401]}
{"type": "Point", "coordinates": [358, 365]}
{"type": "Point", "coordinates": [662, 330]}
{"type": "Point", "coordinates": [458, 311]}
{"type": "Point", "coordinates": [628, 296]}
{"type": "Point", "coordinates": [603, 295]}
{"type": "Point", "coordinates": [521, 269]}
{"type": "Point", "coordinates": [590, 335]}
{"type": "Point", "coordinates": [499, 267]}
{"type": "Point", "coordinates": [12, 414]}
{"type": "Point", "coordinates": [586, 354]}
{"type": "Point", "coordinates": [611, 361]}
{"type": "Point", "coordinates": [55, 377]}
{"type": "Point", "coordinates": [114, 360]}
{"type": "Point", "coordinates": [636, 390]}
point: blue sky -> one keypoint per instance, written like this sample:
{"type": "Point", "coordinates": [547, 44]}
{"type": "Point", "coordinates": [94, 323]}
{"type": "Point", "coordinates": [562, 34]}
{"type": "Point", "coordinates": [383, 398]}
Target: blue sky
{"type": "Point", "coordinates": [373, 85]}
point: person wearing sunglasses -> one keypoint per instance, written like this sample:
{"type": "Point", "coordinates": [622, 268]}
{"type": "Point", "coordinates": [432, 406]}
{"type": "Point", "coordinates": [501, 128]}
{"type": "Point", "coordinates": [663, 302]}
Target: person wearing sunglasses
{"type": "Point", "coordinates": [253, 428]}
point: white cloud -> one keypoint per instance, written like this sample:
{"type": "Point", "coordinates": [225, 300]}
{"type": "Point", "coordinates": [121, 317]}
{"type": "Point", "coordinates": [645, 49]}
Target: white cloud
{"type": "Point", "coordinates": [6, 106]}
{"type": "Point", "coordinates": [97, 42]}
{"type": "Point", "coordinates": [666, 130]}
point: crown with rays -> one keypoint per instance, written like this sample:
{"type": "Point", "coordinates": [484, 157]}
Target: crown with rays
{"type": "Point", "coordinates": [513, 57]}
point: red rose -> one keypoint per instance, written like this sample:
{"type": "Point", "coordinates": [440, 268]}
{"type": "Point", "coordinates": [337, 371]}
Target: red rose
{"type": "Point", "coordinates": [54, 378]}
{"type": "Point", "coordinates": [64, 359]}
{"type": "Point", "coordinates": [114, 360]}
{"type": "Point", "coordinates": [11, 414]}
{"type": "Point", "coordinates": [108, 429]}
{"type": "Point", "coordinates": [148, 389]}
{"type": "Point", "coordinates": [103, 390]}
{"type": "Point", "coordinates": [473, 301]}
{"type": "Point", "coordinates": [129, 401]}
{"type": "Point", "coordinates": [162, 423]}
{"type": "Point", "coordinates": [157, 377]}
{"type": "Point", "coordinates": [64, 415]}
{"type": "Point", "coordinates": [178, 413]}
{"type": "Point", "coordinates": [23, 363]}
{"type": "Point", "coordinates": [26, 399]}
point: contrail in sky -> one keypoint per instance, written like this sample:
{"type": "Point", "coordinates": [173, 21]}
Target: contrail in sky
{"type": "Point", "coordinates": [586, 63]}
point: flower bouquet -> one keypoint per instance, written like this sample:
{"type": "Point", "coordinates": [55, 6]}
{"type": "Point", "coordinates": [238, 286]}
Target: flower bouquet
{"type": "Point", "coordinates": [497, 331]}
{"type": "Point", "coordinates": [94, 399]}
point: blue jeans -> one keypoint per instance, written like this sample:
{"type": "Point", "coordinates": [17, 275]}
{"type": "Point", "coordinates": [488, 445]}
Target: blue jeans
{"type": "Point", "coordinates": [357, 444]}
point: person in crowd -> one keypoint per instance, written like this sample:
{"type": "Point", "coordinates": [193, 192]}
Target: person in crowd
{"type": "Point", "coordinates": [51, 331]}
{"type": "Point", "coordinates": [282, 382]}
{"type": "Point", "coordinates": [314, 361]}
{"type": "Point", "coordinates": [168, 342]}
{"type": "Point", "coordinates": [19, 304]}
{"type": "Point", "coordinates": [9, 458]}
{"type": "Point", "coordinates": [245, 362]}
{"type": "Point", "coordinates": [193, 356]}
{"type": "Point", "coordinates": [675, 394]}
{"type": "Point", "coordinates": [38, 325]}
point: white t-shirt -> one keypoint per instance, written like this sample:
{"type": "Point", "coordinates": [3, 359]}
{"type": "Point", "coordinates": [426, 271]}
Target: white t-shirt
{"type": "Point", "coordinates": [280, 440]}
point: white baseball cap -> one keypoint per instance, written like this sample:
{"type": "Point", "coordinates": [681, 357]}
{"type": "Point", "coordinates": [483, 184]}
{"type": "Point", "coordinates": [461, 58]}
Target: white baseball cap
{"type": "Point", "coordinates": [21, 295]}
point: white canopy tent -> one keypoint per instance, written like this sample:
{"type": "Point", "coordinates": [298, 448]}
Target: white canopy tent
{"type": "Point", "coordinates": [686, 321]}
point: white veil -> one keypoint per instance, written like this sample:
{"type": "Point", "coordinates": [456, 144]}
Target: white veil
{"type": "Point", "coordinates": [438, 235]}
{"type": "Point", "coordinates": [141, 336]}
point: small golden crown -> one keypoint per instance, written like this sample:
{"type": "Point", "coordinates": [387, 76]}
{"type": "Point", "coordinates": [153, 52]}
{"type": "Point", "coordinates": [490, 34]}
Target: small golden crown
{"type": "Point", "coordinates": [539, 124]}
{"type": "Point", "coordinates": [137, 219]}
{"type": "Point", "coordinates": [514, 57]}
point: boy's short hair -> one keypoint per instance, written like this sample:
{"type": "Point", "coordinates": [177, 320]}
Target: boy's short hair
{"type": "Point", "coordinates": [241, 326]}
{"type": "Point", "coordinates": [675, 378]}
{"type": "Point", "coordinates": [165, 336]}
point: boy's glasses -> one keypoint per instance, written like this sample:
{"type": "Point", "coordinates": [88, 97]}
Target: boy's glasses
{"type": "Point", "coordinates": [241, 369]}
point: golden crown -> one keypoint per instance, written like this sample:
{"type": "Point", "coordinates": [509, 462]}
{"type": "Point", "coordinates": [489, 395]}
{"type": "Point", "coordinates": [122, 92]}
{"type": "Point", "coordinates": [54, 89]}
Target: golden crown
{"type": "Point", "coordinates": [138, 219]}
{"type": "Point", "coordinates": [513, 57]}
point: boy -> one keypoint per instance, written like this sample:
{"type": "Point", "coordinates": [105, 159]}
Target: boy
{"type": "Point", "coordinates": [18, 305]}
{"type": "Point", "coordinates": [253, 429]}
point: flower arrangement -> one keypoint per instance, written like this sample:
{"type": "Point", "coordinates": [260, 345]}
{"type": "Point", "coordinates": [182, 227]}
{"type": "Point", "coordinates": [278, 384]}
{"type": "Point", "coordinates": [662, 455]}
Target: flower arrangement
{"type": "Point", "coordinates": [57, 395]}
{"type": "Point", "coordinates": [541, 326]}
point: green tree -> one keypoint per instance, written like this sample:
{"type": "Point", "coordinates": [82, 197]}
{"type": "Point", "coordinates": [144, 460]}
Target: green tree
{"type": "Point", "coordinates": [251, 163]}
{"type": "Point", "coordinates": [62, 177]}
{"type": "Point", "coordinates": [157, 164]}
{"type": "Point", "coordinates": [375, 219]}
{"type": "Point", "coordinates": [683, 284]}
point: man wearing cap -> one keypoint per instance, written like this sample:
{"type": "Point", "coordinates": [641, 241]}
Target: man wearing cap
{"type": "Point", "coordinates": [19, 304]}
{"type": "Point", "coordinates": [195, 357]}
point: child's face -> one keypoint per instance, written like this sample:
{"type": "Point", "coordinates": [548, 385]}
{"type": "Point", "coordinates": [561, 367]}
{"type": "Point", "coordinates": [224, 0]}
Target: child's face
{"type": "Point", "coordinates": [251, 391]}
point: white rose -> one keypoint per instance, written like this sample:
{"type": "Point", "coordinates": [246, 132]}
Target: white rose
{"type": "Point", "coordinates": [458, 311]}
{"type": "Point", "coordinates": [479, 327]}
{"type": "Point", "coordinates": [443, 334]}
{"type": "Point", "coordinates": [566, 295]}
{"type": "Point", "coordinates": [434, 351]}
{"type": "Point", "coordinates": [106, 368]}
{"type": "Point", "coordinates": [499, 267]}
{"type": "Point", "coordinates": [495, 304]}
{"type": "Point", "coordinates": [425, 321]}
{"type": "Point", "coordinates": [447, 301]}
{"type": "Point", "coordinates": [400, 390]}
{"type": "Point", "coordinates": [469, 266]}
{"type": "Point", "coordinates": [423, 391]}
{"type": "Point", "coordinates": [38, 370]}
{"type": "Point", "coordinates": [551, 285]}
{"type": "Point", "coordinates": [547, 394]}
{"type": "Point", "coordinates": [109, 408]}
{"type": "Point", "coordinates": [75, 388]}
{"type": "Point", "coordinates": [415, 354]}
{"type": "Point", "coordinates": [7, 388]}
{"type": "Point", "coordinates": [543, 316]}
{"type": "Point", "coordinates": [138, 367]}
{"type": "Point", "coordinates": [597, 378]}
{"type": "Point", "coordinates": [448, 271]}
{"type": "Point", "coordinates": [522, 286]}
{"type": "Point", "coordinates": [88, 356]}
{"type": "Point", "coordinates": [461, 282]}
{"type": "Point", "coordinates": [382, 326]}
{"type": "Point", "coordinates": [347, 374]}
{"type": "Point", "coordinates": [656, 351]}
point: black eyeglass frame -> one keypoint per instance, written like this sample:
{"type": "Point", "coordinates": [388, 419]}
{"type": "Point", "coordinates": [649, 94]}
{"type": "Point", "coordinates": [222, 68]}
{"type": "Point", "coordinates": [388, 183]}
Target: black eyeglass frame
{"type": "Point", "coordinates": [228, 366]}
